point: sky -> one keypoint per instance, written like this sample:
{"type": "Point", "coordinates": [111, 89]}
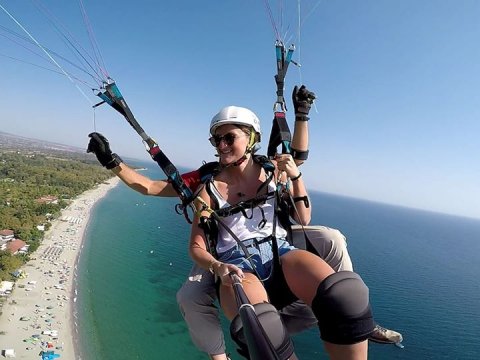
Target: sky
{"type": "Point", "coordinates": [396, 118]}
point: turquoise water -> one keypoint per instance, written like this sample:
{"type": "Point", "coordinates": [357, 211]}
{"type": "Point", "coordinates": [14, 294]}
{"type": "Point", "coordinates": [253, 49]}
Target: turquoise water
{"type": "Point", "coordinates": [422, 270]}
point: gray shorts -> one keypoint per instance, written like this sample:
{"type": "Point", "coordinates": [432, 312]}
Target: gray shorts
{"type": "Point", "coordinates": [260, 254]}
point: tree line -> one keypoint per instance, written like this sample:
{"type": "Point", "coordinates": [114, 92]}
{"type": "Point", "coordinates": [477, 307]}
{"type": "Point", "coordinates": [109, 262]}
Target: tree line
{"type": "Point", "coordinates": [27, 176]}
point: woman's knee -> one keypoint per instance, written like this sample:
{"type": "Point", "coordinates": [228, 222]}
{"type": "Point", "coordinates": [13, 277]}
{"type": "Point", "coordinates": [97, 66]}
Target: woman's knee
{"type": "Point", "coordinates": [342, 308]}
{"type": "Point", "coordinates": [253, 288]}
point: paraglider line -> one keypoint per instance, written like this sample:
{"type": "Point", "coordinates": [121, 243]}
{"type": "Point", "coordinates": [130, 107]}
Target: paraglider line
{"type": "Point", "coordinates": [46, 52]}
{"type": "Point", "coordinates": [69, 42]}
{"type": "Point", "coordinates": [270, 15]}
{"type": "Point", "coordinates": [93, 41]}
{"type": "Point", "coordinates": [26, 39]}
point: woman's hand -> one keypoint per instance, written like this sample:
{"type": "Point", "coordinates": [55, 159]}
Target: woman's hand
{"type": "Point", "coordinates": [286, 163]}
{"type": "Point", "coordinates": [223, 271]}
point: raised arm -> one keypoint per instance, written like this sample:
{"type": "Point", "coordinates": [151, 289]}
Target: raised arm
{"type": "Point", "coordinates": [100, 146]}
{"type": "Point", "coordinates": [143, 184]}
{"type": "Point", "coordinates": [302, 100]}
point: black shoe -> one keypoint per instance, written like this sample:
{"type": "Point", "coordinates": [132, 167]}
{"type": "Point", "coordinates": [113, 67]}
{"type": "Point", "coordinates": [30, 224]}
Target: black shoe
{"type": "Point", "coordinates": [385, 336]}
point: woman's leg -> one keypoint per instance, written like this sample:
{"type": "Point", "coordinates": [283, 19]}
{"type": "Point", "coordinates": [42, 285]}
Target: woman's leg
{"type": "Point", "coordinates": [358, 351]}
{"type": "Point", "coordinates": [304, 272]}
{"type": "Point", "coordinates": [266, 314]}
{"type": "Point", "coordinates": [253, 288]}
{"type": "Point", "coordinates": [331, 245]}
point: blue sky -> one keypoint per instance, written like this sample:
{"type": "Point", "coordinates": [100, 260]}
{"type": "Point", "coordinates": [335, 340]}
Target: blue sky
{"type": "Point", "coordinates": [397, 117]}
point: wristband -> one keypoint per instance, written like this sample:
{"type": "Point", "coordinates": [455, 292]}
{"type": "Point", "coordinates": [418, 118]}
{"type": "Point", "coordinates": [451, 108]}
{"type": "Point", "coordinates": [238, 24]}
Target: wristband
{"type": "Point", "coordinates": [299, 154]}
{"type": "Point", "coordinates": [301, 117]}
{"type": "Point", "coordinates": [116, 160]}
{"type": "Point", "coordinates": [304, 199]}
{"type": "Point", "coordinates": [296, 177]}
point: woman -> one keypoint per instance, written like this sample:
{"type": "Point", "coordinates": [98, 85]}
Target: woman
{"type": "Point", "coordinates": [339, 300]}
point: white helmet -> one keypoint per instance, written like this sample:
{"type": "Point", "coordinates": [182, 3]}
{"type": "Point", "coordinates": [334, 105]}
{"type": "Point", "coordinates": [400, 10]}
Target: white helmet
{"type": "Point", "coordinates": [235, 115]}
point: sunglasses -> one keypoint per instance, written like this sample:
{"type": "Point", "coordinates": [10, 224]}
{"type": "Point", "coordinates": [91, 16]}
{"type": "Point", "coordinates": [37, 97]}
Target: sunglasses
{"type": "Point", "coordinates": [228, 138]}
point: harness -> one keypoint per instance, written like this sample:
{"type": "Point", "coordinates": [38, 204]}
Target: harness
{"type": "Point", "coordinates": [209, 226]}
{"type": "Point", "coordinates": [279, 293]}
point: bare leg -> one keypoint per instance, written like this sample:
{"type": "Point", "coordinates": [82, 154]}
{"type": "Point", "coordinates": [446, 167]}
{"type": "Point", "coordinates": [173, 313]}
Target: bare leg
{"type": "Point", "coordinates": [331, 246]}
{"type": "Point", "coordinates": [219, 357]}
{"type": "Point", "coordinates": [253, 288]}
{"type": "Point", "coordinates": [304, 272]}
{"type": "Point", "coordinates": [357, 351]}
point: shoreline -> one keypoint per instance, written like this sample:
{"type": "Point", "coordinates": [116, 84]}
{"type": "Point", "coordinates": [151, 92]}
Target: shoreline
{"type": "Point", "coordinates": [74, 286]}
{"type": "Point", "coordinates": [45, 298]}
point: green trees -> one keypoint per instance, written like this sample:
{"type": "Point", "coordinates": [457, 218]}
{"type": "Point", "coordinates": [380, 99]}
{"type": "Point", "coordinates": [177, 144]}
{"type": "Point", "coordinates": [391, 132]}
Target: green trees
{"type": "Point", "coordinates": [8, 264]}
{"type": "Point", "coordinates": [27, 176]}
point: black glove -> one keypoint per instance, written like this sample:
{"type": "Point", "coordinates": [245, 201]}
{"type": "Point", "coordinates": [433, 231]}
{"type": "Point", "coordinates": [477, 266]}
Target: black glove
{"type": "Point", "coordinates": [302, 102]}
{"type": "Point", "coordinates": [99, 145]}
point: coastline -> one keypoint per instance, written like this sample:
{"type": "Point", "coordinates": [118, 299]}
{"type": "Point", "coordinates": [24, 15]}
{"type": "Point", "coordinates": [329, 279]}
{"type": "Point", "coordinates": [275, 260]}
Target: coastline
{"type": "Point", "coordinates": [45, 298]}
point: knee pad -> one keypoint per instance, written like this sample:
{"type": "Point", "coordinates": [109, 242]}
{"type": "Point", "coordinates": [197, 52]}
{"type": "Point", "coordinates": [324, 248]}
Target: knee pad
{"type": "Point", "coordinates": [342, 309]}
{"type": "Point", "coordinates": [271, 322]}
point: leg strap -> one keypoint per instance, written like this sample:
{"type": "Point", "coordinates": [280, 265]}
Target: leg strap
{"type": "Point", "coordinates": [342, 308]}
{"type": "Point", "coordinates": [273, 326]}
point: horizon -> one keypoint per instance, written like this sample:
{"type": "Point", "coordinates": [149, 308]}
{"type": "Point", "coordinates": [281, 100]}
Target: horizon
{"type": "Point", "coordinates": [181, 167]}
{"type": "Point", "coordinates": [396, 115]}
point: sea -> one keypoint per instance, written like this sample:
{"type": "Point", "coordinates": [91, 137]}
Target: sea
{"type": "Point", "coordinates": [422, 269]}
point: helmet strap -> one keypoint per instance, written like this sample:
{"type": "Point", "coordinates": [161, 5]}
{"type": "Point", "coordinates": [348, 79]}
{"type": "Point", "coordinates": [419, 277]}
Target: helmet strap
{"type": "Point", "coordinates": [236, 162]}
{"type": "Point", "coordinates": [251, 142]}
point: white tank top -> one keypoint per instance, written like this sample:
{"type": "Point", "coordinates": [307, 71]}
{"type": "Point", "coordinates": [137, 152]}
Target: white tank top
{"type": "Point", "coordinates": [246, 227]}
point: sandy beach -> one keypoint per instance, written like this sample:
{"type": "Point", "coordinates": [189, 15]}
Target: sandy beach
{"type": "Point", "coordinates": [37, 316]}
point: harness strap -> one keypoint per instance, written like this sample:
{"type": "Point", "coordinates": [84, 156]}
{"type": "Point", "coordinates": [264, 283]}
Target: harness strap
{"type": "Point", "coordinates": [244, 205]}
{"type": "Point", "coordinates": [280, 135]}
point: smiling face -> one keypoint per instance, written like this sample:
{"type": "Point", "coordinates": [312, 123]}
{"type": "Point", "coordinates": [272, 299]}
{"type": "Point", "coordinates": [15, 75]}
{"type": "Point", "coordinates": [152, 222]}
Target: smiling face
{"type": "Point", "coordinates": [231, 143]}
